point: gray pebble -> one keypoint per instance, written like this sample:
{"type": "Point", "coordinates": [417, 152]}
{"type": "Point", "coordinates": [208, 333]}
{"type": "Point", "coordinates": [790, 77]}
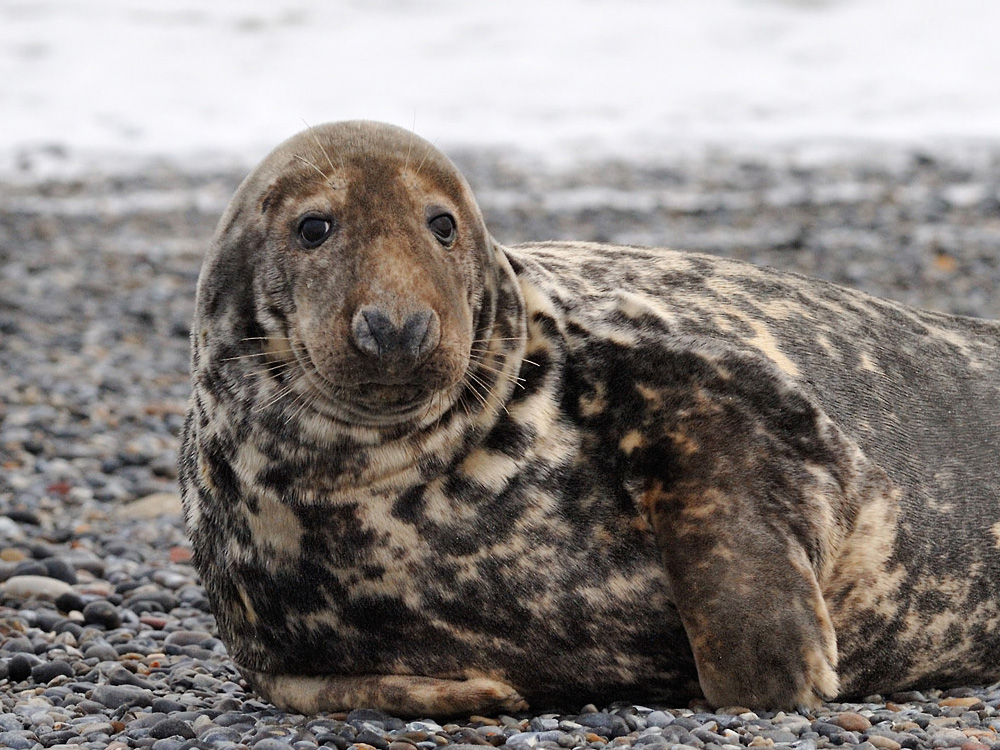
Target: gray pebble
{"type": "Point", "coordinates": [9, 723]}
{"type": "Point", "coordinates": [779, 735]}
{"type": "Point", "coordinates": [187, 637]}
{"type": "Point", "coordinates": [70, 602]}
{"type": "Point", "coordinates": [102, 613]}
{"type": "Point", "coordinates": [652, 741]}
{"type": "Point", "coordinates": [56, 567]}
{"type": "Point", "coordinates": [171, 727]}
{"type": "Point", "coordinates": [101, 652]}
{"type": "Point", "coordinates": [30, 568]}
{"type": "Point", "coordinates": [20, 665]}
{"type": "Point", "coordinates": [677, 734]}
{"type": "Point", "coordinates": [659, 719]}
{"type": "Point", "coordinates": [538, 724]}
{"type": "Point", "coordinates": [18, 740]}
{"type": "Point", "coordinates": [45, 673]}
{"type": "Point", "coordinates": [213, 735]}
{"type": "Point", "coordinates": [59, 737]}
{"type": "Point", "coordinates": [18, 644]}
{"type": "Point", "coordinates": [608, 725]}
{"type": "Point", "coordinates": [166, 706]}
{"type": "Point", "coordinates": [271, 743]}
{"type": "Point", "coordinates": [118, 675]}
{"type": "Point", "coordinates": [374, 739]}
{"type": "Point", "coordinates": [522, 740]}
{"type": "Point", "coordinates": [116, 696]}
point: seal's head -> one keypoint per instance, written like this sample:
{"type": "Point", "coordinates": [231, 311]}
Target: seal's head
{"type": "Point", "coordinates": [355, 264]}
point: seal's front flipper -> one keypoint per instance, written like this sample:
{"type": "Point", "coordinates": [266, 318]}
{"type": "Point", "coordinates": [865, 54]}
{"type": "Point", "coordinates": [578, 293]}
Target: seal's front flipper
{"type": "Point", "coordinates": [748, 598]}
{"type": "Point", "coordinates": [403, 695]}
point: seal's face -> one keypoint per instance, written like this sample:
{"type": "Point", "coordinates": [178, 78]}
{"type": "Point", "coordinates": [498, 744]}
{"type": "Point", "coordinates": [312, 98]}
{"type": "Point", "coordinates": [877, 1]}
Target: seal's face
{"type": "Point", "coordinates": [368, 272]}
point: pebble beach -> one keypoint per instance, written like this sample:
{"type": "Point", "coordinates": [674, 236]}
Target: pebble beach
{"type": "Point", "coordinates": [106, 637]}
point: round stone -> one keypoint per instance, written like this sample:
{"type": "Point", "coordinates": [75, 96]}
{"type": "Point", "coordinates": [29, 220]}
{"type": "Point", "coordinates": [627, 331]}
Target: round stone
{"type": "Point", "coordinates": [61, 570]}
{"type": "Point", "coordinates": [116, 696]}
{"type": "Point", "coordinates": [187, 638]}
{"type": "Point", "coordinates": [70, 602]}
{"type": "Point", "coordinates": [15, 740]}
{"type": "Point", "coordinates": [34, 587]}
{"type": "Point", "coordinates": [18, 644]}
{"type": "Point", "coordinates": [19, 666]}
{"type": "Point", "coordinates": [171, 727]}
{"type": "Point", "coordinates": [271, 743]}
{"type": "Point", "coordinates": [369, 737]}
{"type": "Point", "coordinates": [30, 568]}
{"type": "Point", "coordinates": [101, 652]}
{"type": "Point", "coordinates": [45, 673]}
{"type": "Point", "coordinates": [851, 721]}
{"type": "Point", "coordinates": [103, 613]}
{"type": "Point", "coordinates": [884, 743]}
{"type": "Point", "coordinates": [167, 706]}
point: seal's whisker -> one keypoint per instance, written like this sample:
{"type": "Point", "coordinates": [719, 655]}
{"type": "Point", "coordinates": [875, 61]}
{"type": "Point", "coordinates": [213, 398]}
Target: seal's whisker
{"type": "Point", "coordinates": [430, 405]}
{"type": "Point", "coordinates": [482, 352]}
{"type": "Point", "coordinates": [257, 355]}
{"type": "Point", "coordinates": [463, 402]}
{"type": "Point", "coordinates": [505, 374]}
{"type": "Point", "coordinates": [470, 382]}
{"type": "Point", "coordinates": [497, 338]}
{"type": "Point", "coordinates": [487, 365]}
{"type": "Point", "coordinates": [409, 145]}
{"type": "Point", "coordinates": [301, 403]}
{"type": "Point", "coordinates": [282, 392]}
{"type": "Point", "coordinates": [274, 370]}
{"type": "Point", "coordinates": [277, 368]}
{"type": "Point", "coordinates": [308, 163]}
{"type": "Point", "coordinates": [478, 359]}
{"type": "Point", "coordinates": [426, 154]}
{"type": "Point", "coordinates": [475, 378]}
{"type": "Point", "coordinates": [323, 150]}
{"type": "Point", "coordinates": [467, 406]}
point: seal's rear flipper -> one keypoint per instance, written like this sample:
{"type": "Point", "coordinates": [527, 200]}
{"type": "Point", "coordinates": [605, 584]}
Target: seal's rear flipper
{"type": "Point", "coordinates": [404, 695]}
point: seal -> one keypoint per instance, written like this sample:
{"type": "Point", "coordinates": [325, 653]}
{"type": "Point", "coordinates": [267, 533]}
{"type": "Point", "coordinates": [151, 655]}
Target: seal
{"type": "Point", "coordinates": [430, 474]}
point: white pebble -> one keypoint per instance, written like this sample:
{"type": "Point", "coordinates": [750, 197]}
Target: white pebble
{"type": "Point", "coordinates": [10, 530]}
{"type": "Point", "coordinates": [34, 587]}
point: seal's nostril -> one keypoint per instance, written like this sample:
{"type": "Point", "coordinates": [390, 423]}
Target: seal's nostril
{"type": "Point", "coordinates": [421, 333]}
{"type": "Point", "coordinates": [377, 335]}
{"type": "Point", "coordinates": [373, 331]}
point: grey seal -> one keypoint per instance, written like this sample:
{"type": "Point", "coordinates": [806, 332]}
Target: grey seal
{"type": "Point", "coordinates": [430, 474]}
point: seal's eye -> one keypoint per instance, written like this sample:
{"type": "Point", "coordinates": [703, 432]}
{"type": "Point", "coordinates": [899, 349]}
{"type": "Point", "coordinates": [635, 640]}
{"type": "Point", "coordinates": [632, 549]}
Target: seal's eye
{"type": "Point", "coordinates": [443, 226]}
{"type": "Point", "coordinates": [313, 231]}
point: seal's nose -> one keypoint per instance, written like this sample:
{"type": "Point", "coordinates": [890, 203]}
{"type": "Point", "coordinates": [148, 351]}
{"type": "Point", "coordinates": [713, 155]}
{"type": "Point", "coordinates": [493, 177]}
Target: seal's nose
{"type": "Point", "coordinates": [403, 344]}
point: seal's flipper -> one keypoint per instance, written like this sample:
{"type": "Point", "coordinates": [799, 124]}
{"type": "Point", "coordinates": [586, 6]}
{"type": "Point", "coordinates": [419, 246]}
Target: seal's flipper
{"type": "Point", "coordinates": [407, 695]}
{"type": "Point", "coordinates": [749, 600]}
{"type": "Point", "coordinates": [742, 478]}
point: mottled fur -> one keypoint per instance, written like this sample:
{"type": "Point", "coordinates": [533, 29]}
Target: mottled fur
{"type": "Point", "coordinates": [621, 473]}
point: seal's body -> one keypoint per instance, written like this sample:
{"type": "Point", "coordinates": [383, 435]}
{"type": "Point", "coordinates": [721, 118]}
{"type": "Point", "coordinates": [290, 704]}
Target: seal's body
{"type": "Point", "coordinates": [430, 474]}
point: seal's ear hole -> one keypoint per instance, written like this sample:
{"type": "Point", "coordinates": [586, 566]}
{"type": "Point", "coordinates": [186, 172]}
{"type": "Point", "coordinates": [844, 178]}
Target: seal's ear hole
{"type": "Point", "coordinates": [443, 226]}
{"type": "Point", "coordinates": [314, 230]}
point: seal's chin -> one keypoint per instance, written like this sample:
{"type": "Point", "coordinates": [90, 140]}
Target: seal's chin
{"type": "Point", "coordinates": [378, 404]}
{"type": "Point", "coordinates": [379, 398]}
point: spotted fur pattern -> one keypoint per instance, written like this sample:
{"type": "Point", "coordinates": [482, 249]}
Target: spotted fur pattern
{"type": "Point", "coordinates": [623, 473]}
